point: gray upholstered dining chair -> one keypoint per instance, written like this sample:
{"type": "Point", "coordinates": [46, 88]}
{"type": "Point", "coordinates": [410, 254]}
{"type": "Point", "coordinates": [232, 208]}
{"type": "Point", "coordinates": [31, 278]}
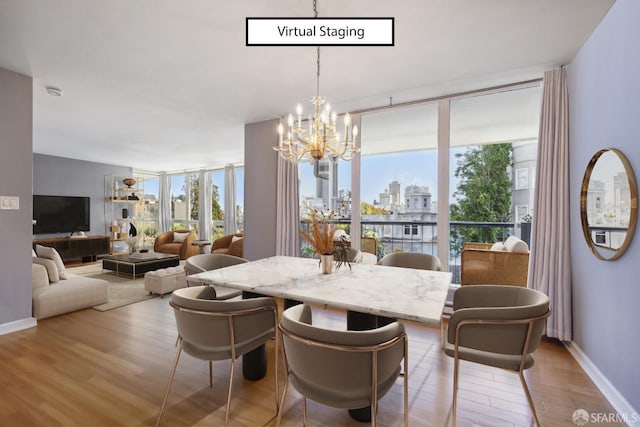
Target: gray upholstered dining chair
{"type": "Point", "coordinates": [412, 260]}
{"type": "Point", "coordinates": [499, 326]}
{"type": "Point", "coordinates": [211, 329]}
{"type": "Point", "coordinates": [342, 369]}
{"type": "Point", "coordinates": [418, 261]}
{"type": "Point", "coordinates": [207, 262]}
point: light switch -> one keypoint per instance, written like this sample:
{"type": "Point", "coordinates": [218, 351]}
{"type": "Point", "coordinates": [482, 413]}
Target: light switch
{"type": "Point", "coordinates": [9, 202]}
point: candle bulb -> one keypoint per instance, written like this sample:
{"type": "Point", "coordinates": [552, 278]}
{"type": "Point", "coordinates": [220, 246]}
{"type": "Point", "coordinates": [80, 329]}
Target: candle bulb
{"type": "Point", "coordinates": [280, 134]}
{"type": "Point", "coordinates": [299, 112]}
{"type": "Point", "coordinates": [347, 122]}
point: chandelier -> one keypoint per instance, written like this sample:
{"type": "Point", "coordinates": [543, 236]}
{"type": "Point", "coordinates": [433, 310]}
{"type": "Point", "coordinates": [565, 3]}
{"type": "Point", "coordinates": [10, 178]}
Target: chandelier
{"type": "Point", "coordinates": [320, 137]}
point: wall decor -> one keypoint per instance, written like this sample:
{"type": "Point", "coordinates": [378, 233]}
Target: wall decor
{"type": "Point", "coordinates": [609, 204]}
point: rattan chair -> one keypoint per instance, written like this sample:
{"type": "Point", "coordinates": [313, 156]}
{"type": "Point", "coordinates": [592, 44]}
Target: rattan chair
{"type": "Point", "coordinates": [211, 329]}
{"type": "Point", "coordinates": [207, 262]}
{"type": "Point", "coordinates": [479, 265]}
{"type": "Point", "coordinates": [341, 369]}
{"type": "Point", "coordinates": [498, 326]}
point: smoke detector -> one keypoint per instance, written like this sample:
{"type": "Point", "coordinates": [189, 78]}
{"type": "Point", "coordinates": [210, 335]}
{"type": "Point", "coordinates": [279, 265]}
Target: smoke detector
{"type": "Point", "coordinates": [54, 91]}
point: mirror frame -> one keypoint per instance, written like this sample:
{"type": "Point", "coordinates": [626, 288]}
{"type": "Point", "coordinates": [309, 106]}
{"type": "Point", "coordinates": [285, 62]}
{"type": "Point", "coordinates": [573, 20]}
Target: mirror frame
{"type": "Point", "coordinates": [633, 218]}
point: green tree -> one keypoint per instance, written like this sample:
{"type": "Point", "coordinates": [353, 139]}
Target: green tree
{"type": "Point", "coordinates": [194, 191]}
{"type": "Point", "coordinates": [216, 211]}
{"type": "Point", "coordinates": [483, 193]}
{"type": "Point", "coordinates": [369, 209]}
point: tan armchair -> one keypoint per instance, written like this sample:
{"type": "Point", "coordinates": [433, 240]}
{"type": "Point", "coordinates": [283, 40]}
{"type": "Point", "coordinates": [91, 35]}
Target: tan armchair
{"type": "Point", "coordinates": [480, 265]}
{"type": "Point", "coordinates": [226, 245]}
{"type": "Point", "coordinates": [164, 243]}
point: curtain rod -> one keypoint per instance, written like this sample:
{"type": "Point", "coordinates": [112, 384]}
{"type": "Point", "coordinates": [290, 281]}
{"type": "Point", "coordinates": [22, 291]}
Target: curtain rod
{"type": "Point", "coordinates": [484, 91]}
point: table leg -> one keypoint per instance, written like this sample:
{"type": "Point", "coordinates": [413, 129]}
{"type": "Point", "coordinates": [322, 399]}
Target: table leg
{"type": "Point", "coordinates": [254, 363]}
{"type": "Point", "coordinates": [361, 322]}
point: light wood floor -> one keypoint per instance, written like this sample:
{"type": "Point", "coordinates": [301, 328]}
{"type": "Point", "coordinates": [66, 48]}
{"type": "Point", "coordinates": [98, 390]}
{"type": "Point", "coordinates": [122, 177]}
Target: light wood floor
{"type": "Point", "coordinates": [111, 368]}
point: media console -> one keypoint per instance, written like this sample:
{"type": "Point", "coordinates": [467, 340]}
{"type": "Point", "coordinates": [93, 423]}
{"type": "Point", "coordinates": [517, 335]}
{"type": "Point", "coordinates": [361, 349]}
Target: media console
{"type": "Point", "coordinates": [69, 248]}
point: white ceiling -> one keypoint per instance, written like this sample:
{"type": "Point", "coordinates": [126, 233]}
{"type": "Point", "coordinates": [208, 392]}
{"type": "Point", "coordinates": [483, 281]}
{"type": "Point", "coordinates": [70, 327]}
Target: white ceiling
{"type": "Point", "coordinates": [166, 85]}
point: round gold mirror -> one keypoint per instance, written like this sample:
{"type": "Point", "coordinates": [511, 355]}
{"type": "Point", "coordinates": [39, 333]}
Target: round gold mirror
{"type": "Point", "coordinates": [609, 204]}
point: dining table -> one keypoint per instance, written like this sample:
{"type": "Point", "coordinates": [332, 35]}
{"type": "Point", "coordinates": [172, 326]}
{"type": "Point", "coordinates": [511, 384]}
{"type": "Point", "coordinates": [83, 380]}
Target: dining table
{"type": "Point", "coordinates": [371, 294]}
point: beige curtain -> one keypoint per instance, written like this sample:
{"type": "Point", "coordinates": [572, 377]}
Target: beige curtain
{"type": "Point", "coordinates": [230, 220]}
{"type": "Point", "coordinates": [287, 209]}
{"type": "Point", "coordinates": [550, 263]}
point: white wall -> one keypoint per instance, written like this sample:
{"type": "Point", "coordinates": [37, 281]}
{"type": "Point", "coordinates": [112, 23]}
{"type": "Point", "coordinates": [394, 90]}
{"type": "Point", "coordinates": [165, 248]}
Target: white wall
{"type": "Point", "coordinates": [604, 100]}
{"type": "Point", "coordinates": [16, 123]}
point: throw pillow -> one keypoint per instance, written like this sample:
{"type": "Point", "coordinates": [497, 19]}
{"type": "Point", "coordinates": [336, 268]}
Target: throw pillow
{"type": "Point", "coordinates": [498, 246]}
{"type": "Point", "coordinates": [52, 254]}
{"type": "Point", "coordinates": [513, 244]}
{"type": "Point", "coordinates": [50, 265]}
{"type": "Point", "coordinates": [179, 237]}
{"type": "Point", "coordinates": [33, 253]}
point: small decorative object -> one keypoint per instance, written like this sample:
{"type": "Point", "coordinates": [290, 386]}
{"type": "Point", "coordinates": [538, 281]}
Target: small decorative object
{"type": "Point", "coordinates": [125, 213]}
{"type": "Point", "coordinates": [326, 264]}
{"type": "Point", "coordinates": [131, 241]}
{"type": "Point", "coordinates": [129, 182]}
{"type": "Point", "coordinates": [133, 231]}
{"type": "Point", "coordinates": [341, 251]}
{"type": "Point", "coordinates": [320, 236]}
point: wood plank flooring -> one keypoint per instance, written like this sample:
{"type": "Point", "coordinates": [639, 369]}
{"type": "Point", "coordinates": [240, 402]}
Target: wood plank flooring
{"type": "Point", "coordinates": [92, 368]}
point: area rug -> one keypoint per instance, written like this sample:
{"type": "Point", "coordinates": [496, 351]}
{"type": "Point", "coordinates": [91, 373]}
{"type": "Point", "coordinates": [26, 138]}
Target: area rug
{"type": "Point", "coordinates": [122, 290]}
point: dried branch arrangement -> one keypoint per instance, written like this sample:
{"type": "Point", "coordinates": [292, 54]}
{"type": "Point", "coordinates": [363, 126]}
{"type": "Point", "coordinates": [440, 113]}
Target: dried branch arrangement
{"type": "Point", "coordinates": [321, 232]}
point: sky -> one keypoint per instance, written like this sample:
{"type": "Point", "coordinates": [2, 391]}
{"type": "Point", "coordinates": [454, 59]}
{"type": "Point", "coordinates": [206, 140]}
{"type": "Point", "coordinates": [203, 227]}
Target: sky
{"type": "Point", "coordinates": [377, 171]}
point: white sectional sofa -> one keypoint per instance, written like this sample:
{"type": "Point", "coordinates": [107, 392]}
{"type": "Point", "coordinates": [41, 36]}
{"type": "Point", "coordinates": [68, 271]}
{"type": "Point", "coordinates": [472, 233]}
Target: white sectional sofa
{"type": "Point", "coordinates": [66, 295]}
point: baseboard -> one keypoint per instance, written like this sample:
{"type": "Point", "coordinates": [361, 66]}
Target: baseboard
{"type": "Point", "coordinates": [627, 413]}
{"type": "Point", "coordinates": [18, 325]}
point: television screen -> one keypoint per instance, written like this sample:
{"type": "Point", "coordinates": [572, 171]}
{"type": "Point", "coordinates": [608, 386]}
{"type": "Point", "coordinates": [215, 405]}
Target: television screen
{"type": "Point", "coordinates": [61, 214]}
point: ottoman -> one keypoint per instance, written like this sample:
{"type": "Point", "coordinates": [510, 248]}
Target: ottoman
{"type": "Point", "coordinates": [165, 280]}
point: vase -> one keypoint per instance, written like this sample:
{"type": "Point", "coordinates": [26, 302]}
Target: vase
{"type": "Point", "coordinates": [326, 264]}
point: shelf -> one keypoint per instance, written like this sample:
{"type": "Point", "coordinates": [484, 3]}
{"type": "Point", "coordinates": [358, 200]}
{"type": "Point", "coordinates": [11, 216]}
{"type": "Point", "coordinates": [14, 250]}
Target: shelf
{"type": "Point", "coordinates": [116, 199]}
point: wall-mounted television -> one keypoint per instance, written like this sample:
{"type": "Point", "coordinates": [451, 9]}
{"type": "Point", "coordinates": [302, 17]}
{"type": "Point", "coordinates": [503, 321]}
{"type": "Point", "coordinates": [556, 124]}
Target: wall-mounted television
{"type": "Point", "coordinates": [61, 214]}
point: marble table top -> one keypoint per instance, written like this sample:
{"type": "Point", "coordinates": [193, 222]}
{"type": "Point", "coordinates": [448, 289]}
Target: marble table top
{"type": "Point", "coordinates": [388, 291]}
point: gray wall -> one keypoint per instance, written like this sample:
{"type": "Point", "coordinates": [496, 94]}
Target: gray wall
{"type": "Point", "coordinates": [260, 175]}
{"type": "Point", "coordinates": [16, 123]}
{"type": "Point", "coordinates": [604, 92]}
{"type": "Point", "coordinates": [59, 176]}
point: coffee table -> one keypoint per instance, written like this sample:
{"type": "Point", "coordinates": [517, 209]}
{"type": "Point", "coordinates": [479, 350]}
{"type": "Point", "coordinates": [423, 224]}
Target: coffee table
{"type": "Point", "coordinates": [136, 266]}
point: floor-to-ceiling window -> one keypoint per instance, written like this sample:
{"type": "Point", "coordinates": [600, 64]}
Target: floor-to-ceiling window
{"type": "Point", "coordinates": [239, 199]}
{"type": "Point", "coordinates": [491, 140]}
{"type": "Point", "coordinates": [492, 166]}
{"type": "Point", "coordinates": [398, 179]}
{"type": "Point", "coordinates": [217, 203]}
{"type": "Point", "coordinates": [184, 201]}
{"type": "Point", "coordinates": [148, 228]}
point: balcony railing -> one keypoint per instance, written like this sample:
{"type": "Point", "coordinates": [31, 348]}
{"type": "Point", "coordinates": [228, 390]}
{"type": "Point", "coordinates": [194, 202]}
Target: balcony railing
{"type": "Point", "coordinates": [421, 236]}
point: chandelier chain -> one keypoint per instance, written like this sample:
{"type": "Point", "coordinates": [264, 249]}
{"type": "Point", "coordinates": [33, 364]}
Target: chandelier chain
{"type": "Point", "coordinates": [315, 15]}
